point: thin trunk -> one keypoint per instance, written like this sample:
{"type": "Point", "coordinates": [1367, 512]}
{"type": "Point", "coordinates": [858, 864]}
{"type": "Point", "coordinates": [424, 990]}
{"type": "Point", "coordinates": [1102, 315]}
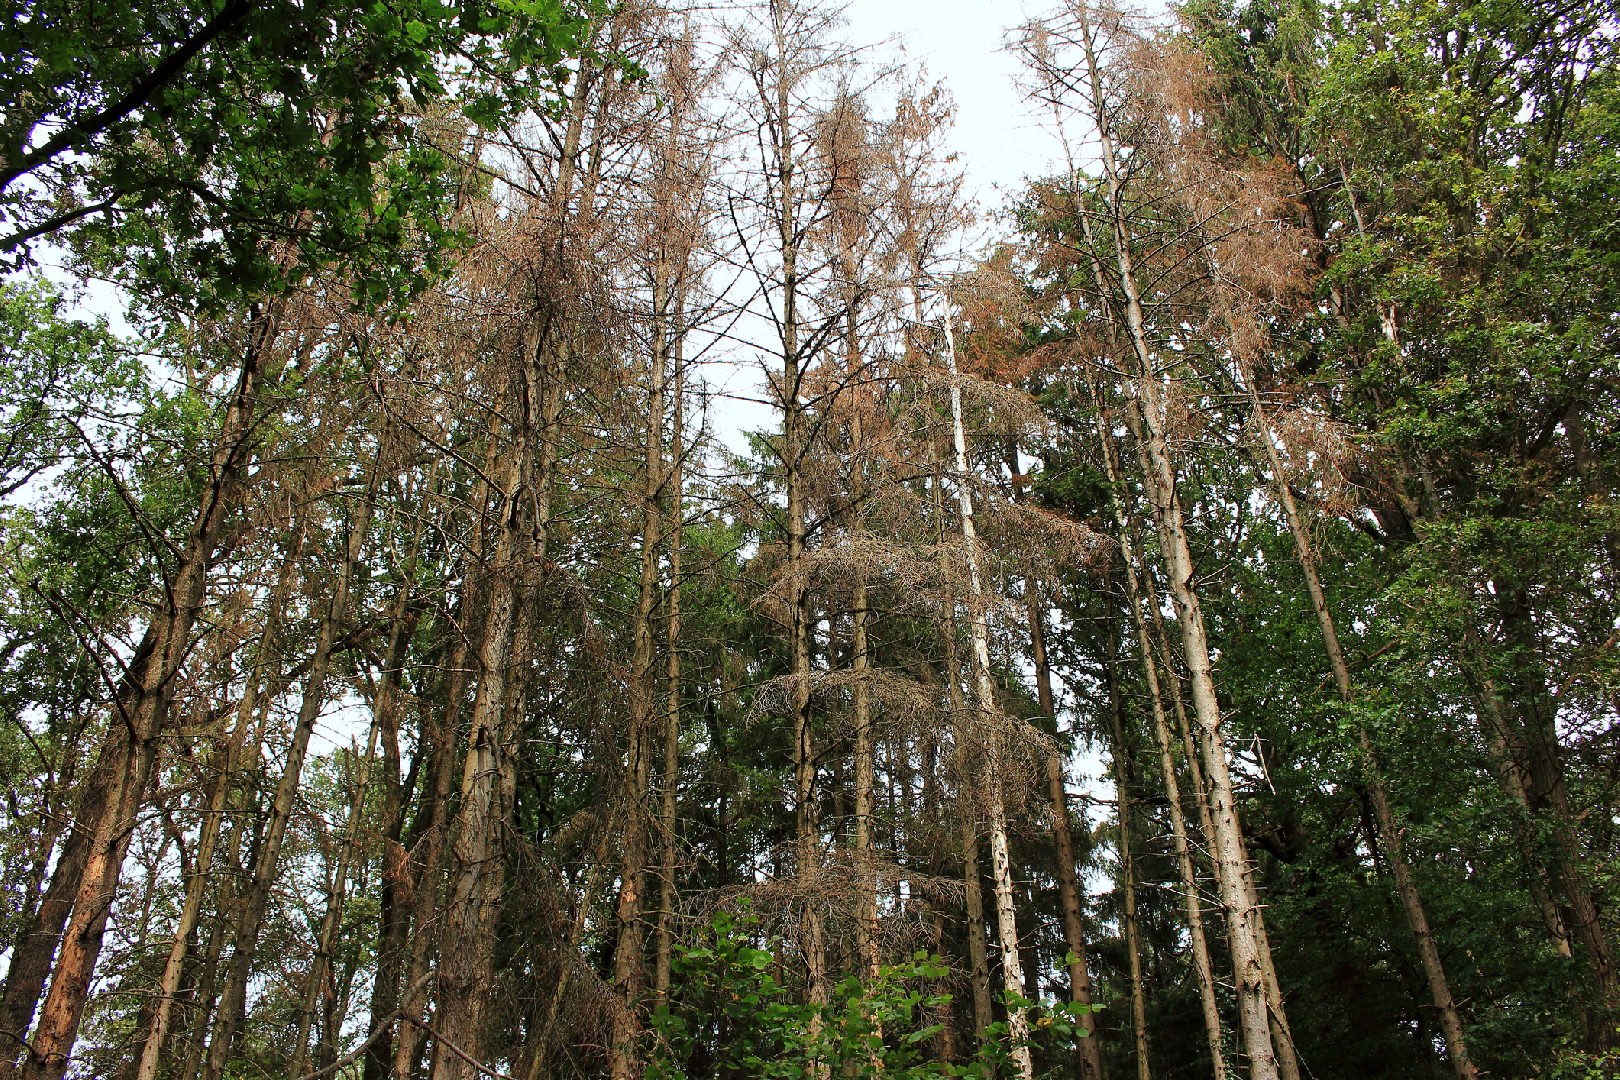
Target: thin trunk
{"type": "Point", "coordinates": [316, 979]}
{"type": "Point", "coordinates": [776, 91]}
{"type": "Point", "coordinates": [393, 917]}
{"type": "Point", "coordinates": [972, 876]}
{"type": "Point", "coordinates": [866, 919]}
{"type": "Point", "coordinates": [393, 920]}
{"type": "Point", "coordinates": [1227, 843]}
{"type": "Point", "coordinates": [1411, 902]}
{"type": "Point", "coordinates": [226, 903]}
{"type": "Point", "coordinates": [1203, 968]}
{"type": "Point", "coordinates": [866, 915]}
{"type": "Point", "coordinates": [1063, 838]}
{"type": "Point", "coordinates": [629, 968]}
{"type": "Point", "coordinates": [267, 866]}
{"type": "Point", "coordinates": [213, 817]}
{"type": "Point", "coordinates": [995, 806]}
{"type": "Point", "coordinates": [1127, 864]}
{"type": "Point", "coordinates": [435, 850]}
{"type": "Point", "coordinates": [1534, 747]}
{"type": "Point", "coordinates": [672, 710]}
{"type": "Point", "coordinates": [587, 904]}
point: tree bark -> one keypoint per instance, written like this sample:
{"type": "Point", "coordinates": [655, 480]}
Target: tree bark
{"type": "Point", "coordinates": [230, 765]}
{"type": "Point", "coordinates": [1127, 865]}
{"type": "Point", "coordinates": [629, 968]}
{"type": "Point", "coordinates": [1080, 989]}
{"type": "Point", "coordinates": [1012, 972]}
{"type": "Point", "coordinates": [142, 720]}
{"type": "Point", "coordinates": [672, 711]}
{"type": "Point", "coordinates": [250, 922]}
{"type": "Point", "coordinates": [1411, 902]}
{"type": "Point", "coordinates": [1202, 967]}
{"type": "Point", "coordinates": [477, 860]}
{"type": "Point", "coordinates": [1227, 842]}
{"type": "Point", "coordinates": [972, 890]}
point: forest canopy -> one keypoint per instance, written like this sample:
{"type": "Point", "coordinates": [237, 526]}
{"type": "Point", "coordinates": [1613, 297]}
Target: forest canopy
{"type": "Point", "coordinates": [1163, 623]}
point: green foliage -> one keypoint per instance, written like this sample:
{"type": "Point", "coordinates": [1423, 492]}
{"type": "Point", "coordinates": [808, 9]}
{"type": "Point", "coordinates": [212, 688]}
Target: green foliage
{"type": "Point", "coordinates": [731, 1012]}
{"type": "Point", "coordinates": [58, 377]}
{"type": "Point", "coordinates": [223, 150]}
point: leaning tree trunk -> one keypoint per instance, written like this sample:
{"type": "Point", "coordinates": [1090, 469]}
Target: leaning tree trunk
{"type": "Point", "coordinates": [213, 817]}
{"type": "Point", "coordinates": [1244, 918]}
{"type": "Point", "coordinates": [1202, 967]}
{"type": "Point", "coordinates": [141, 722]}
{"type": "Point", "coordinates": [1411, 902]}
{"type": "Point", "coordinates": [1127, 864]}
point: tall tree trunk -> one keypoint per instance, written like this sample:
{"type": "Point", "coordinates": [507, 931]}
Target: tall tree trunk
{"type": "Point", "coordinates": [628, 962]}
{"type": "Point", "coordinates": [315, 981]}
{"type": "Point", "coordinates": [1243, 916]}
{"type": "Point", "coordinates": [1411, 902]}
{"type": "Point", "coordinates": [1533, 746]}
{"type": "Point", "coordinates": [972, 874]}
{"type": "Point", "coordinates": [462, 984]}
{"type": "Point", "coordinates": [227, 902]}
{"type": "Point", "coordinates": [229, 766]}
{"type": "Point", "coordinates": [430, 864]}
{"type": "Point", "coordinates": [1127, 864]}
{"type": "Point", "coordinates": [141, 721]}
{"type": "Point", "coordinates": [1063, 839]}
{"type": "Point", "coordinates": [672, 711]}
{"type": "Point", "coordinates": [393, 916]}
{"type": "Point", "coordinates": [1202, 967]}
{"type": "Point", "coordinates": [994, 748]}
{"type": "Point", "coordinates": [255, 903]}
{"type": "Point", "coordinates": [35, 946]}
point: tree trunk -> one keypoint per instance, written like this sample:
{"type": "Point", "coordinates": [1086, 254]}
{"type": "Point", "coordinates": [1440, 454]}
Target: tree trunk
{"type": "Point", "coordinates": [141, 722]}
{"type": "Point", "coordinates": [393, 916]}
{"type": "Point", "coordinates": [1127, 865]}
{"type": "Point", "coordinates": [462, 983]}
{"type": "Point", "coordinates": [1202, 966]}
{"type": "Point", "coordinates": [267, 866]}
{"type": "Point", "coordinates": [672, 710]}
{"type": "Point", "coordinates": [1063, 839]}
{"type": "Point", "coordinates": [1416, 918]}
{"type": "Point", "coordinates": [231, 753]}
{"type": "Point", "coordinates": [989, 719]}
{"type": "Point", "coordinates": [1227, 842]}
{"type": "Point", "coordinates": [320, 972]}
{"type": "Point", "coordinates": [628, 963]}
{"type": "Point", "coordinates": [435, 844]}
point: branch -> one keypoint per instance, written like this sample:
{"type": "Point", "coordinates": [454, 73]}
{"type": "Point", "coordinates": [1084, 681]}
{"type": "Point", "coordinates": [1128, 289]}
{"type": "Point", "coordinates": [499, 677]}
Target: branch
{"type": "Point", "coordinates": [50, 225]}
{"type": "Point", "coordinates": [456, 1050]}
{"type": "Point", "coordinates": [383, 1027]}
{"type": "Point", "coordinates": [233, 12]}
